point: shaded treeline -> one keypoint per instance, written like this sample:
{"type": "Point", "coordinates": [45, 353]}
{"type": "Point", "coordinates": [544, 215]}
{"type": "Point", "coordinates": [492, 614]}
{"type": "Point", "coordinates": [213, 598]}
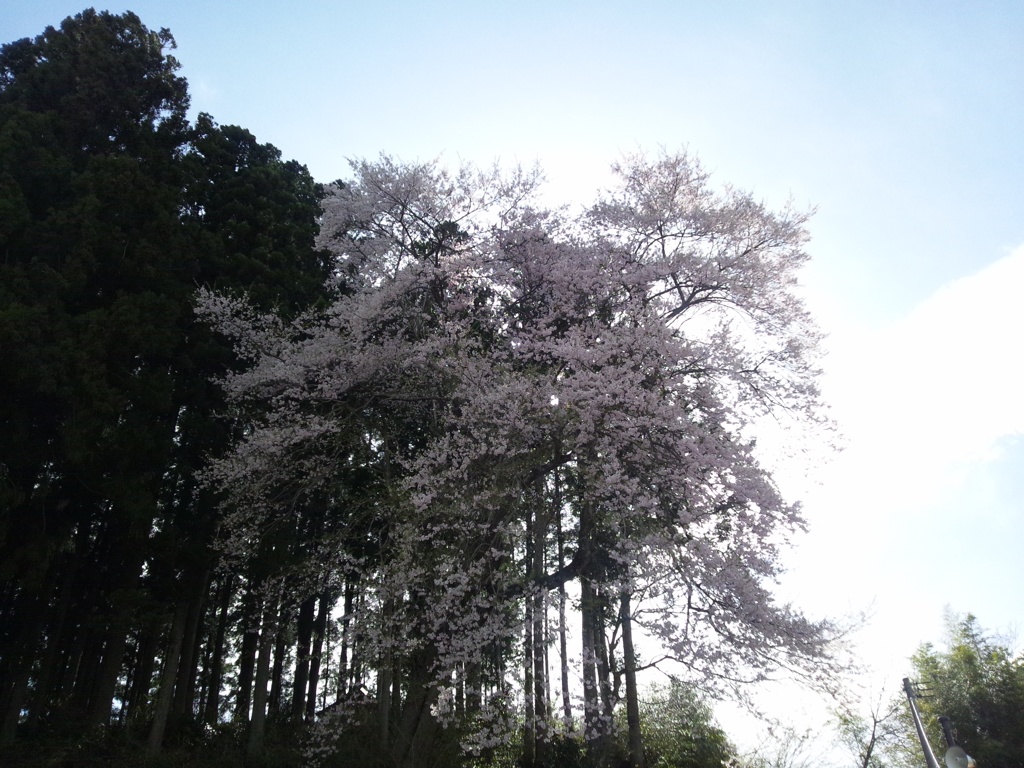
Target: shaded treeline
{"type": "Point", "coordinates": [113, 210]}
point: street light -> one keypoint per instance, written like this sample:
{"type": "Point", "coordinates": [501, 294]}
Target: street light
{"type": "Point", "coordinates": [955, 757]}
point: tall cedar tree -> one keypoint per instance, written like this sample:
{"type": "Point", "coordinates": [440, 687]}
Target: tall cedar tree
{"type": "Point", "coordinates": [112, 211]}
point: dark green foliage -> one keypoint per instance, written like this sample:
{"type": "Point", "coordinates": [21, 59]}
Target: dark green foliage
{"type": "Point", "coordinates": [253, 217]}
{"type": "Point", "coordinates": [90, 172]}
{"type": "Point", "coordinates": [565, 752]}
{"type": "Point", "coordinates": [218, 748]}
{"type": "Point", "coordinates": [125, 99]}
{"type": "Point", "coordinates": [91, 132]}
{"type": "Point", "coordinates": [113, 210]}
{"type": "Point", "coordinates": [679, 730]}
{"type": "Point", "coordinates": [978, 682]}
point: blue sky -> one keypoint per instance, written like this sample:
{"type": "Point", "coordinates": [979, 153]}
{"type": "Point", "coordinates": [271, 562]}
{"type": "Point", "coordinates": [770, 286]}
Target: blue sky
{"type": "Point", "coordinates": [900, 121]}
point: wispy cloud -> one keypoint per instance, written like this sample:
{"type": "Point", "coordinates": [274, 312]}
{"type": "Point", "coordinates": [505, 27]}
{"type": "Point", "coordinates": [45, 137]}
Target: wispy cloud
{"type": "Point", "coordinates": [924, 399]}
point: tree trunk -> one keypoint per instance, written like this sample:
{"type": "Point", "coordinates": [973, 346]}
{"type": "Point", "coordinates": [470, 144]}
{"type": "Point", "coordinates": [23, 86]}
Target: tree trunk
{"type": "Point", "coordinates": [563, 645]}
{"type": "Point", "coordinates": [591, 705]}
{"type": "Point", "coordinates": [75, 661]}
{"type": "Point", "coordinates": [636, 746]}
{"type": "Point", "coordinates": [304, 632]}
{"type": "Point", "coordinates": [609, 694]}
{"type": "Point", "coordinates": [529, 724]}
{"type": "Point", "coordinates": [277, 674]}
{"type": "Point", "coordinates": [597, 691]}
{"type": "Point", "coordinates": [529, 649]}
{"type": "Point", "coordinates": [417, 726]}
{"type": "Point", "coordinates": [211, 715]}
{"type": "Point", "coordinates": [540, 699]}
{"type": "Point", "coordinates": [165, 698]}
{"type": "Point", "coordinates": [110, 668]}
{"type": "Point", "coordinates": [129, 542]}
{"type": "Point", "coordinates": [185, 689]}
{"type": "Point", "coordinates": [258, 721]}
{"type": "Point", "coordinates": [42, 694]}
{"type": "Point", "coordinates": [16, 695]}
{"type": "Point", "coordinates": [17, 658]}
{"type": "Point", "coordinates": [474, 683]}
{"type": "Point", "coordinates": [145, 661]}
{"type": "Point", "coordinates": [345, 662]}
{"type": "Point", "coordinates": [384, 681]}
{"type": "Point", "coordinates": [319, 633]}
{"type": "Point", "coordinates": [247, 657]}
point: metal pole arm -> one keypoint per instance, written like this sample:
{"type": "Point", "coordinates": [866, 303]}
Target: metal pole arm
{"type": "Point", "coordinates": [929, 756]}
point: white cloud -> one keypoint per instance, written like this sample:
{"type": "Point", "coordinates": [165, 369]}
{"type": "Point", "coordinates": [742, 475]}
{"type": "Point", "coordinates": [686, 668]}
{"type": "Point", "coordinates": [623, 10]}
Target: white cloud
{"type": "Point", "coordinates": [926, 406]}
{"type": "Point", "coordinates": [936, 392]}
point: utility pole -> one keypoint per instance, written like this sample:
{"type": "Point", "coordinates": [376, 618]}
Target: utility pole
{"type": "Point", "coordinates": [929, 756]}
{"type": "Point", "coordinates": [955, 757]}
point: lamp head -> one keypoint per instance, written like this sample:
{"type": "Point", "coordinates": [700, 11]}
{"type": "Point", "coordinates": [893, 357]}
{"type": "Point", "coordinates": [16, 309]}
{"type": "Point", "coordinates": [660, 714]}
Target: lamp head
{"type": "Point", "coordinates": [957, 758]}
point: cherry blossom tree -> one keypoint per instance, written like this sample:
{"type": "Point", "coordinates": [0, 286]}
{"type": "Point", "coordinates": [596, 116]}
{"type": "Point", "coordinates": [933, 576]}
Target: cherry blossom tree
{"type": "Point", "coordinates": [495, 378]}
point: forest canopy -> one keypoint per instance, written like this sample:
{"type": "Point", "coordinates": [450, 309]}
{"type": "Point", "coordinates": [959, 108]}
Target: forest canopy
{"type": "Point", "coordinates": [407, 463]}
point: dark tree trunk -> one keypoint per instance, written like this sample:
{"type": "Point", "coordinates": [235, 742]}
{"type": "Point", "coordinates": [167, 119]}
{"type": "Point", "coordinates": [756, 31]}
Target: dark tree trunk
{"type": "Point", "coordinates": [131, 542]}
{"type": "Point", "coordinates": [529, 701]}
{"type": "Point", "coordinates": [13, 703]}
{"type": "Point", "coordinates": [597, 720]}
{"type": "Point", "coordinates": [529, 651]}
{"type": "Point", "coordinates": [591, 704]}
{"type": "Point", "coordinates": [636, 745]}
{"type": "Point", "coordinates": [605, 668]}
{"type": "Point", "coordinates": [86, 672]}
{"type": "Point", "coordinates": [277, 672]}
{"type": "Point", "coordinates": [247, 657]}
{"type": "Point", "coordinates": [138, 692]}
{"type": "Point", "coordinates": [563, 645]}
{"type": "Point", "coordinates": [25, 624]}
{"type": "Point", "coordinates": [185, 689]}
{"type": "Point", "coordinates": [75, 661]}
{"type": "Point", "coordinates": [474, 684]}
{"type": "Point", "coordinates": [417, 726]}
{"type": "Point", "coordinates": [304, 633]}
{"type": "Point", "coordinates": [43, 693]}
{"type": "Point", "coordinates": [258, 721]}
{"type": "Point", "coordinates": [346, 664]}
{"type": "Point", "coordinates": [385, 678]}
{"type": "Point", "coordinates": [539, 637]}
{"type": "Point", "coordinates": [211, 714]}
{"type": "Point", "coordinates": [319, 634]}
{"type": "Point", "coordinates": [168, 675]}
{"type": "Point", "coordinates": [110, 669]}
